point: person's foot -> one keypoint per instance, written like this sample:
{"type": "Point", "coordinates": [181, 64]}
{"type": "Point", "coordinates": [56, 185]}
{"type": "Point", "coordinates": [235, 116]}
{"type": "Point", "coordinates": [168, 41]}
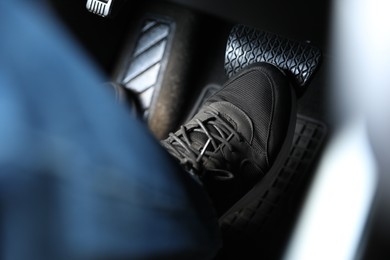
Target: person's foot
{"type": "Point", "coordinates": [239, 134]}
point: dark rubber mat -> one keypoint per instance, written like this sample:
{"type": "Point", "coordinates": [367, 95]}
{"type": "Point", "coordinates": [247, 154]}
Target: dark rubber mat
{"type": "Point", "coordinates": [308, 140]}
{"type": "Point", "coordinates": [263, 227]}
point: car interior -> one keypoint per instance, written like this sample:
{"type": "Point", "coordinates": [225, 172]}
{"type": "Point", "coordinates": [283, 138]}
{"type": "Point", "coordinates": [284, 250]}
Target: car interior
{"type": "Point", "coordinates": [164, 58]}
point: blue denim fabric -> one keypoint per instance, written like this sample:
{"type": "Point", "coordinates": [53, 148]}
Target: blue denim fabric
{"type": "Point", "coordinates": [80, 178]}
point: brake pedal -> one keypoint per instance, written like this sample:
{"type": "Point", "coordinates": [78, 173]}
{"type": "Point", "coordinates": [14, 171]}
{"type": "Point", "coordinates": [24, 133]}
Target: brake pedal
{"type": "Point", "coordinates": [156, 64]}
{"type": "Point", "coordinates": [247, 45]}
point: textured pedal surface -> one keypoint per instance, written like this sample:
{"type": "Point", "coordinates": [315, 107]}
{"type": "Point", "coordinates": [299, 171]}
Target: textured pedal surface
{"type": "Point", "coordinates": [247, 45]}
{"type": "Point", "coordinates": [249, 221]}
{"type": "Point", "coordinates": [144, 71]}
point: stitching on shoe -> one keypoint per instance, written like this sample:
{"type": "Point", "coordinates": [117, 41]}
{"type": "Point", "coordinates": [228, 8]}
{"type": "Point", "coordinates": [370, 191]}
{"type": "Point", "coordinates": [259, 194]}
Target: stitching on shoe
{"type": "Point", "coordinates": [272, 83]}
{"type": "Point", "coordinates": [228, 117]}
{"type": "Point", "coordinates": [246, 71]}
{"type": "Point", "coordinates": [246, 117]}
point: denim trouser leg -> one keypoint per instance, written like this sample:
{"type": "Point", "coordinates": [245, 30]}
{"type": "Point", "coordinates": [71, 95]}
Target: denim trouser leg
{"type": "Point", "coordinates": [79, 177]}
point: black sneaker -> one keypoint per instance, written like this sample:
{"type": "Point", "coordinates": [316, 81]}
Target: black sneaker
{"type": "Point", "coordinates": [238, 135]}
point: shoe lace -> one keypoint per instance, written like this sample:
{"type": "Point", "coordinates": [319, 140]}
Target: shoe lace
{"type": "Point", "coordinates": [219, 133]}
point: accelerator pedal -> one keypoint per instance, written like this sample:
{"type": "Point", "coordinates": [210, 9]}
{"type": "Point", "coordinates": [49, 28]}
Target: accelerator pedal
{"type": "Point", "coordinates": [247, 45]}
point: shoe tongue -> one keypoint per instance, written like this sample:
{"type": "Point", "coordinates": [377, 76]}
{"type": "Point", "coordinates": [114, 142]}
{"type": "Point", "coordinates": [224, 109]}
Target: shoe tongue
{"type": "Point", "coordinates": [196, 135]}
{"type": "Point", "coordinates": [199, 139]}
{"type": "Point", "coordinates": [237, 118]}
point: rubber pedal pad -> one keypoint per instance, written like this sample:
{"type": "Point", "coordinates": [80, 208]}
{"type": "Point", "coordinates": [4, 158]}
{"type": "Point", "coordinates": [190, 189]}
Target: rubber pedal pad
{"type": "Point", "coordinates": [247, 45]}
